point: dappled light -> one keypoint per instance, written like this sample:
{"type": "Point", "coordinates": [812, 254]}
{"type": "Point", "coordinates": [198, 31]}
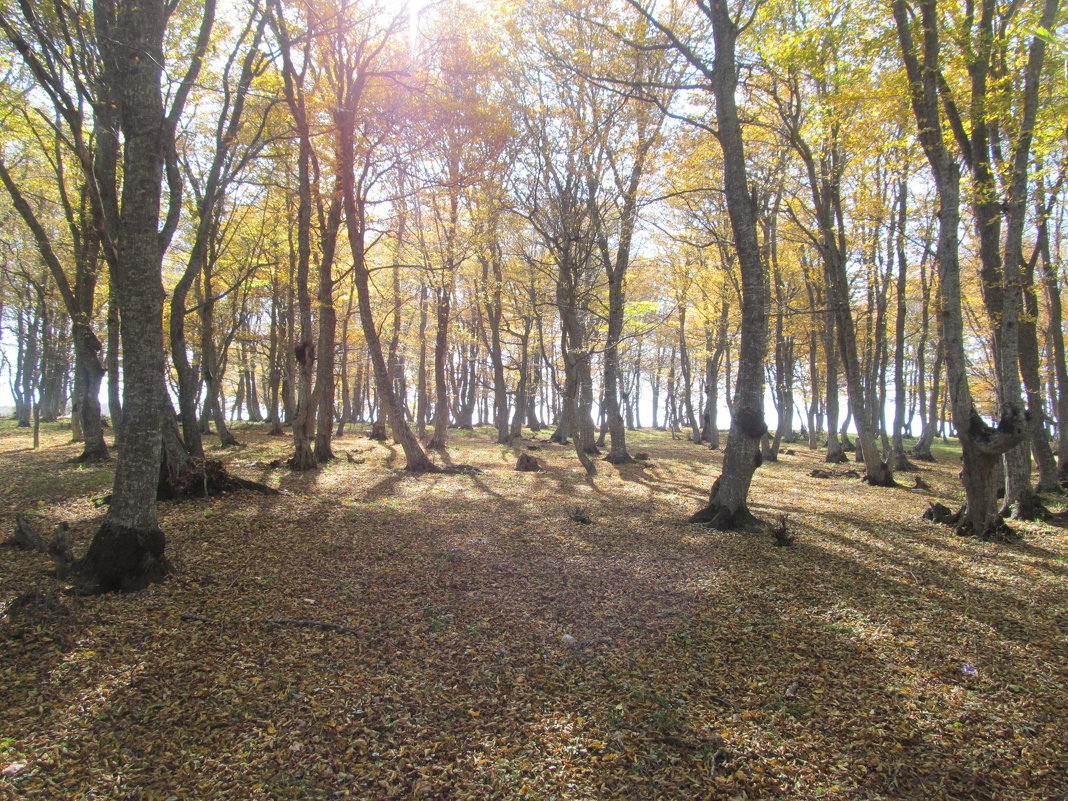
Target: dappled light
{"type": "Point", "coordinates": [486, 645]}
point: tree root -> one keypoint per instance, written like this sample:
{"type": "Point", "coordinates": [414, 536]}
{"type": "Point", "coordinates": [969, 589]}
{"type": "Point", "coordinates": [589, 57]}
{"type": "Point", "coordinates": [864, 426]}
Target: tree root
{"type": "Point", "coordinates": [1030, 507]}
{"type": "Point", "coordinates": [997, 531]}
{"type": "Point", "coordinates": [527, 463]}
{"type": "Point", "coordinates": [27, 538]}
{"type": "Point", "coordinates": [204, 478]}
{"type": "Point", "coordinates": [460, 470]}
{"type": "Point", "coordinates": [36, 605]}
{"type": "Point", "coordinates": [882, 478]}
{"type": "Point", "coordinates": [784, 538]}
{"type": "Point", "coordinates": [903, 465]}
{"type": "Point", "coordinates": [942, 515]}
{"type": "Point", "coordinates": [90, 457]}
{"type": "Point", "coordinates": [819, 472]}
{"type": "Point", "coordinates": [722, 518]}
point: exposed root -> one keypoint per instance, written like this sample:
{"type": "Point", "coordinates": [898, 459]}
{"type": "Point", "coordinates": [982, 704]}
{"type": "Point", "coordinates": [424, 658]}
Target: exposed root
{"type": "Point", "coordinates": [204, 478]}
{"type": "Point", "coordinates": [819, 472]}
{"type": "Point", "coordinates": [922, 452]}
{"type": "Point", "coordinates": [423, 467]}
{"type": "Point", "coordinates": [91, 457]}
{"type": "Point", "coordinates": [880, 477]}
{"type": "Point", "coordinates": [942, 514]}
{"type": "Point", "coordinates": [460, 470]}
{"type": "Point", "coordinates": [580, 514]}
{"type": "Point", "coordinates": [1030, 507]}
{"type": "Point", "coordinates": [527, 463]}
{"type": "Point", "coordinates": [722, 518]}
{"type": "Point", "coordinates": [781, 531]}
{"type": "Point", "coordinates": [36, 605]}
{"type": "Point", "coordinates": [998, 531]}
{"type": "Point", "coordinates": [903, 465]}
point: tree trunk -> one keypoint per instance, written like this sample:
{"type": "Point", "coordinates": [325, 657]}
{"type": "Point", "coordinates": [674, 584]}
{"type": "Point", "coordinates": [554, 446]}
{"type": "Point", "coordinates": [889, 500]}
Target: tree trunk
{"type": "Point", "coordinates": [90, 374]}
{"type": "Point", "coordinates": [422, 401]}
{"type": "Point", "coordinates": [127, 552]}
{"type": "Point", "coordinates": [687, 378]}
{"type": "Point", "coordinates": [416, 460]}
{"type": "Point", "coordinates": [900, 460]}
{"type": "Point", "coordinates": [441, 354]}
{"type": "Point", "coordinates": [1056, 345]}
{"type": "Point", "coordinates": [922, 449]}
{"type": "Point", "coordinates": [727, 505]}
{"type": "Point", "coordinates": [324, 375]}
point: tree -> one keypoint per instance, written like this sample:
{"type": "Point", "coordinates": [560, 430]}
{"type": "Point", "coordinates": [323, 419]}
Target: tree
{"type": "Point", "coordinates": [820, 74]}
{"type": "Point", "coordinates": [80, 212]}
{"type": "Point", "coordinates": [128, 550]}
{"type": "Point", "coordinates": [982, 445]}
{"type": "Point", "coordinates": [231, 153]}
{"type": "Point", "coordinates": [365, 79]}
{"type": "Point", "coordinates": [727, 505]}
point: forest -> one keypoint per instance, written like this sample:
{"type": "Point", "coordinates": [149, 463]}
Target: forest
{"type": "Point", "coordinates": [564, 399]}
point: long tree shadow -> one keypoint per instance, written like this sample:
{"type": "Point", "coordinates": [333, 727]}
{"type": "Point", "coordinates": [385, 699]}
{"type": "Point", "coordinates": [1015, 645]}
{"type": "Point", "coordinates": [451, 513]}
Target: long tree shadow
{"type": "Point", "coordinates": [626, 659]}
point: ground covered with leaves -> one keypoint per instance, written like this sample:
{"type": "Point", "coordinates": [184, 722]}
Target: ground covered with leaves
{"type": "Point", "coordinates": [370, 634]}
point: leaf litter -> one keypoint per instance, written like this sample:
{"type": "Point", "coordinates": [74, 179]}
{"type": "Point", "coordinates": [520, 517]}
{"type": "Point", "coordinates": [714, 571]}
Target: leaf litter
{"type": "Point", "coordinates": [373, 635]}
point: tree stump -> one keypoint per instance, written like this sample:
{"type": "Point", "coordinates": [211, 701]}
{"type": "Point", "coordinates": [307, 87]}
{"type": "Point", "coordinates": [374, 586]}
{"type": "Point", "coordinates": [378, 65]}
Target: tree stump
{"type": "Point", "coordinates": [527, 463]}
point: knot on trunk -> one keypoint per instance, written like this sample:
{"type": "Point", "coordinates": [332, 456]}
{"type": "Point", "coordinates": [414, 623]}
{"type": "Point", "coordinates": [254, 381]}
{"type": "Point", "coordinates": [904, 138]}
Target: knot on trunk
{"type": "Point", "coordinates": [305, 353]}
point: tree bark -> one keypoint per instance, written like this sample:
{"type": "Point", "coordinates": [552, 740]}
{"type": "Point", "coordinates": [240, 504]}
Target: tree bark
{"type": "Point", "coordinates": [127, 552]}
{"type": "Point", "coordinates": [324, 374]}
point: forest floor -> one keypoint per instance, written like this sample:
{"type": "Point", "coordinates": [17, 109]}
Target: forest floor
{"type": "Point", "coordinates": [487, 646]}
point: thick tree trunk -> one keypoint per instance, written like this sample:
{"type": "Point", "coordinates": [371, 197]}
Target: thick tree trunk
{"type": "Point", "coordinates": [1048, 480]}
{"type": "Point", "coordinates": [416, 460]}
{"type": "Point", "coordinates": [127, 552]}
{"type": "Point", "coordinates": [533, 422]}
{"type": "Point", "coordinates": [188, 376]}
{"type": "Point", "coordinates": [303, 344]}
{"type": "Point", "coordinates": [522, 386]}
{"type": "Point", "coordinates": [1057, 353]}
{"type": "Point", "coordinates": [835, 450]}
{"type": "Point", "coordinates": [617, 451]}
{"type": "Point", "coordinates": [274, 367]}
{"type": "Point", "coordinates": [90, 374]}
{"type": "Point", "coordinates": [922, 448]}
{"type": "Point", "coordinates": [687, 378]}
{"type": "Point", "coordinates": [252, 398]}
{"type": "Point", "coordinates": [422, 400]}
{"type": "Point", "coordinates": [112, 361]}
{"type": "Point", "coordinates": [211, 364]}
